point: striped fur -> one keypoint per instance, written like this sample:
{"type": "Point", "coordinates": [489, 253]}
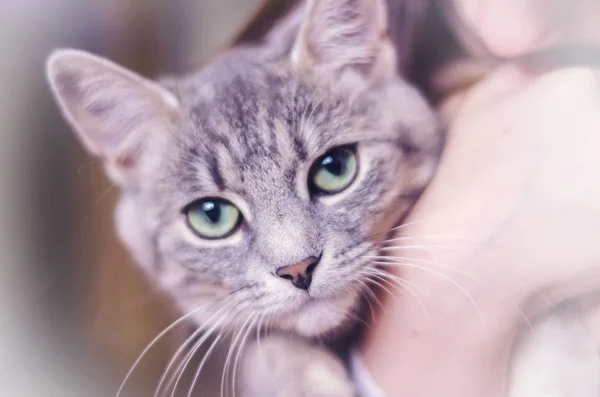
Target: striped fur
{"type": "Point", "coordinates": [247, 128]}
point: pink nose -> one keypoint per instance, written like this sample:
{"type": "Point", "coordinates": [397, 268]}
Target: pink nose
{"type": "Point", "coordinates": [300, 274]}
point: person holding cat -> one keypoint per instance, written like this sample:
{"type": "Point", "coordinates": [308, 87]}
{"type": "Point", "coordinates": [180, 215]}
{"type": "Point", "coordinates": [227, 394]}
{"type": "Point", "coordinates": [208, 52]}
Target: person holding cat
{"type": "Point", "coordinates": [517, 194]}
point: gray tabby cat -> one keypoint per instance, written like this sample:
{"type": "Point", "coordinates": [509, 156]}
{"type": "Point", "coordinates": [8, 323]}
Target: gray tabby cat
{"type": "Point", "coordinates": [255, 190]}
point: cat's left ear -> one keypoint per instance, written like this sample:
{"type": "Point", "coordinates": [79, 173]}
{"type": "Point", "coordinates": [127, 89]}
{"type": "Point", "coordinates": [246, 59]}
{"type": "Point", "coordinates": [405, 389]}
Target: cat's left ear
{"type": "Point", "coordinates": [340, 34]}
{"type": "Point", "coordinates": [119, 116]}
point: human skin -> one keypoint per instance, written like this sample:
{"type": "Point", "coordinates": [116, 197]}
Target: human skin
{"type": "Point", "coordinates": [515, 196]}
{"type": "Point", "coordinates": [510, 28]}
{"type": "Point", "coordinates": [511, 217]}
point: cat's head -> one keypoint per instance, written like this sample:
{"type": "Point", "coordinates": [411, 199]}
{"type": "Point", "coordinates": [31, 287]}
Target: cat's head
{"type": "Point", "coordinates": [257, 188]}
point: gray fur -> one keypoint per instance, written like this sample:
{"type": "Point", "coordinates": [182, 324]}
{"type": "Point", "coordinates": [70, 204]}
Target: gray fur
{"type": "Point", "coordinates": [247, 128]}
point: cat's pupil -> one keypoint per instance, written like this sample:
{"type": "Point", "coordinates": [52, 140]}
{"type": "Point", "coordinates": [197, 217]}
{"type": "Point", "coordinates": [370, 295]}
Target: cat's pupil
{"type": "Point", "coordinates": [212, 211]}
{"type": "Point", "coordinates": [334, 165]}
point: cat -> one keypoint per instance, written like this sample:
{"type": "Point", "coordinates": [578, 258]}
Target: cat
{"type": "Point", "coordinates": [255, 190]}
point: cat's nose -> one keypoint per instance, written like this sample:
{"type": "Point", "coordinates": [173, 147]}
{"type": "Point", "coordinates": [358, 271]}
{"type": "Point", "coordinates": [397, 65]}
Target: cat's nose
{"type": "Point", "coordinates": [300, 274]}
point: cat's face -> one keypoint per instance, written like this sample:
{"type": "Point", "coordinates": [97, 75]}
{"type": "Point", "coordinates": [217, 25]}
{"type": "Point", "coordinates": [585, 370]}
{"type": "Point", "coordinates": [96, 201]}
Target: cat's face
{"type": "Point", "coordinates": [272, 168]}
{"type": "Point", "coordinates": [260, 184]}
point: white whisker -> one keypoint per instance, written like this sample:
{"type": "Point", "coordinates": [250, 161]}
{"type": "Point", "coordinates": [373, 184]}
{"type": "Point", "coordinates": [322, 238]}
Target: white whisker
{"type": "Point", "coordinates": [193, 336]}
{"type": "Point", "coordinates": [224, 384]}
{"type": "Point", "coordinates": [386, 277]}
{"type": "Point", "coordinates": [188, 357]}
{"type": "Point", "coordinates": [213, 345]}
{"type": "Point", "coordinates": [401, 260]}
{"type": "Point", "coordinates": [369, 294]}
{"type": "Point", "coordinates": [264, 318]}
{"type": "Point", "coordinates": [421, 247]}
{"type": "Point", "coordinates": [443, 276]}
{"type": "Point", "coordinates": [163, 333]}
{"type": "Point", "coordinates": [449, 238]}
{"type": "Point", "coordinates": [239, 354]}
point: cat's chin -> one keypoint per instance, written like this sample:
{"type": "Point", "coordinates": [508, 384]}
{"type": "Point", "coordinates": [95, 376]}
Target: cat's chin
{"type": "Point", "coordinates": [320, 316]}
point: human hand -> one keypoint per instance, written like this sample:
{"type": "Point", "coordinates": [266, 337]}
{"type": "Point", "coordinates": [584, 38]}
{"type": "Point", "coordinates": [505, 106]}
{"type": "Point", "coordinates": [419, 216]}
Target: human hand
{"type": "Point", "coordinates": [516, 208]}
{"type": "Point", "coordinates": [510, 222]}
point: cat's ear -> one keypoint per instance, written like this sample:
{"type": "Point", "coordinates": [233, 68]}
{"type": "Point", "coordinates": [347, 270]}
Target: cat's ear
{"type": "Point", "coordinates": [119, 116]}
{"type": "Point", "coordinates": [339, 34]}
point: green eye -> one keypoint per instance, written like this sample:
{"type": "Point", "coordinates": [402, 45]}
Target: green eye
{"type": "Point", "coordinates": [213, 218]}
{"type": "Point", "coordinates": [334, 171]}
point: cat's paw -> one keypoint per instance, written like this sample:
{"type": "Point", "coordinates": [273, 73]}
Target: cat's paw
{"type": "Point", "coordinates": [285, 367]}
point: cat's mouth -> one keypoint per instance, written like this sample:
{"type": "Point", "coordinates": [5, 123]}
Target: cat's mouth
{"type": "Point", "coordinates": [317, 316]}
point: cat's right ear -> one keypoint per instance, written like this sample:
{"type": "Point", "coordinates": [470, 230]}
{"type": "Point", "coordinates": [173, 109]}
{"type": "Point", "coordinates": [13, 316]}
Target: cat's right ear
{"type": "Point", "coordinates": [345, 34]}
{"type": "Point", "coordinates": [119, 116]}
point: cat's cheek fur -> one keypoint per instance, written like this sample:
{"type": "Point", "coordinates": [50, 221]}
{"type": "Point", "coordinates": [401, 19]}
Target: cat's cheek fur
{"type": "Point", "coordinates": [132, 231]}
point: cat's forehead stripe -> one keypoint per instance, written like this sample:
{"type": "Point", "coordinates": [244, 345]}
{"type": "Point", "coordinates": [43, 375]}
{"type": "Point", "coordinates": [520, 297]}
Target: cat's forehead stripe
{"type": "Point", "coordinates": [255, 122]}
{"type": "Point", "coordinates": [249, 118]}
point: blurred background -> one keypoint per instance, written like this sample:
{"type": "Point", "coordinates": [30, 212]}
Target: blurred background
{"type": "Point", "coordinates": [74, 312]}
